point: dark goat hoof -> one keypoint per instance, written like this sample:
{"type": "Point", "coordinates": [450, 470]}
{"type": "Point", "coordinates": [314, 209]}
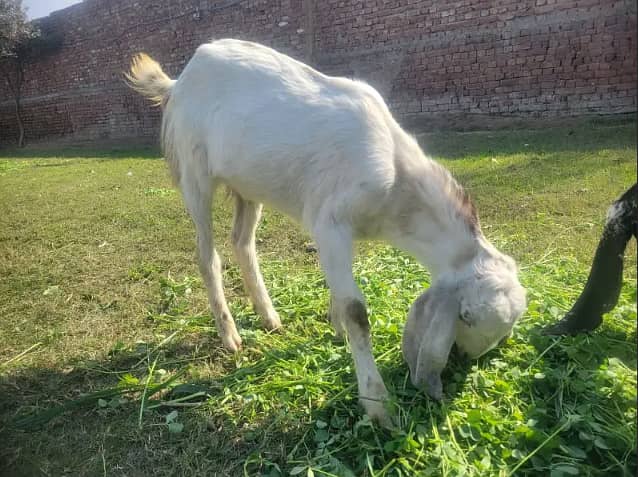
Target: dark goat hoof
{"type": "Point", "coordinates": [568, 327]}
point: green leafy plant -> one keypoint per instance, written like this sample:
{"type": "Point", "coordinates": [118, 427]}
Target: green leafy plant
{"type": "Point", "coordinates": [84, 376]}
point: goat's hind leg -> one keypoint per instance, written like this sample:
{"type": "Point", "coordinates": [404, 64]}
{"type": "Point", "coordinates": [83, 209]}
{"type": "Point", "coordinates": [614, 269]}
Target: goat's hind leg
{"type": "Point", "coordinates": [247, 216]}
{"type": "Point", "coordinates": [198, 194]}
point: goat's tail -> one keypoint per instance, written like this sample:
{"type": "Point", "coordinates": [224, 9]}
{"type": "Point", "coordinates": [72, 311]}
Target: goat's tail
{"type": "Point", "coordinates": [147, 78]}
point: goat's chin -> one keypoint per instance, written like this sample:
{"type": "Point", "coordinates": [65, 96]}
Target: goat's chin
{"type": "Point", "coordinates": [482, 336]}
{"type": "Point", "coordinates": [518, 302]}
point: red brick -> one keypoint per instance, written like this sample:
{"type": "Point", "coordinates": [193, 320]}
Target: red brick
{"type": "Point", "coordinates": [496, 57]}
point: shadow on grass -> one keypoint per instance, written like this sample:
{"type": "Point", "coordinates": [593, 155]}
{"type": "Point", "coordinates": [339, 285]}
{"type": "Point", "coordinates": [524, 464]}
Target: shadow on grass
{"type": "Point", "coordinates": [252, 422]}
{"type": "Point", "coordinates": [591, 138]}
{"type": "Point", "coordinates": [548, 173]}
{"type": "Point", "coordinates": [264, 415]}
{"type": "Point", "coordinates": [581, 137]}
{"type": "Point", "coordinates": [59, 445]}
{"type": "Point", "coordinates": [236, 430]}
{"type": "Point", "coordinates": [82, 152]}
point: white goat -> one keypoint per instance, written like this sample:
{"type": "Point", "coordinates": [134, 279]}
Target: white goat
{"type": "Point", "coordinates": [327, 152]}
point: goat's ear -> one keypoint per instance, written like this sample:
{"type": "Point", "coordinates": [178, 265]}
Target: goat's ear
{"type": "Point", "coordinates": [414, 330]}
{"type": "Point", "coordinates": [429, 335]}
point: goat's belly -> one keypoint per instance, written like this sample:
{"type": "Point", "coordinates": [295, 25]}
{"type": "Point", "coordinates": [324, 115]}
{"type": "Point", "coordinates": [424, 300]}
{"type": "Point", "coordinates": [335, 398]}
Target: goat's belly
{"type": "Point", "coordinates": [282, 199]}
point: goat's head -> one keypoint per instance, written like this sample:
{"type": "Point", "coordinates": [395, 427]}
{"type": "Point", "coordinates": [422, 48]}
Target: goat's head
{"type": "Point", "coordinates": [491, 299]}
{"type": "Point", "coordinates": [476, 307]}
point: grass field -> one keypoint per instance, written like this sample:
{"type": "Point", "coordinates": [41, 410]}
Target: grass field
{"type": "Point", "coordinates": [110, 365]}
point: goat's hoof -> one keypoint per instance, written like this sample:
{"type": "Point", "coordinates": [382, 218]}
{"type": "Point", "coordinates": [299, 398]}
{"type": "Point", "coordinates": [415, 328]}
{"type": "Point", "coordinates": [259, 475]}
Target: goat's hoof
{"type": "Point", "coordinates": [376, 406]}
{"type": "Point", "coordinates": [271, 321]}
{"type": "Point", "coordinates": [378, 413]}
{"type": "Point", "coordinates": [232, 342]}
{"type": "Point", "coordinates": [569, 326]}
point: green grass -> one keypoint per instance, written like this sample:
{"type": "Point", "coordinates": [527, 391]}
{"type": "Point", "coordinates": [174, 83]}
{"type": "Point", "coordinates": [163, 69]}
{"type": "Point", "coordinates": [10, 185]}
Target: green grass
{"type": "Point", "coordinates": [104, 317]}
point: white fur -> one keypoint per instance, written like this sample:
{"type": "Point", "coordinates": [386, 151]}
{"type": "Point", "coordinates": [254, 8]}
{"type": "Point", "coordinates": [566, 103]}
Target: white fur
{"type": "Point", "coordinates": [615, 211]}
{"type": "Point", "coordinates": [327, 152]}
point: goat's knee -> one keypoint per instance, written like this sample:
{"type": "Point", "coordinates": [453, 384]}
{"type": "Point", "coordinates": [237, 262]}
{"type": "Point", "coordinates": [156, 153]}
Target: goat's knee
{"type": "Point", "coordinates": [336, 320]}
{"type": "Point", "coordinates": [357, 316]}
{"type": "Point", "coordinates": [349, 315]}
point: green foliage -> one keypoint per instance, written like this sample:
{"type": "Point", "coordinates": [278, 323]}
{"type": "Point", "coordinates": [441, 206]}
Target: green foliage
{"type": "Point", "coordinates": [21, 41]}
{"type": "Point", "coordinates": [15, 30]}
{"type": "Point", "coordinates": [109, 349]}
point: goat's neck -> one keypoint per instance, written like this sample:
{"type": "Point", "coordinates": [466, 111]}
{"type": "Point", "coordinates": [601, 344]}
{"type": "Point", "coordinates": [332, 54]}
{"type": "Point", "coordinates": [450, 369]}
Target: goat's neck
{"type": "Point", "coordinates": [440, 250]}
{"type": "Point", "coordinates": [434, 220]}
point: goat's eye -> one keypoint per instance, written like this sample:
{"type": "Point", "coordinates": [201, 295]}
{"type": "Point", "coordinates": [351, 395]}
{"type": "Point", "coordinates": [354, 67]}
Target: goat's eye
{"type": "Point", "coordinates": [465, 318]}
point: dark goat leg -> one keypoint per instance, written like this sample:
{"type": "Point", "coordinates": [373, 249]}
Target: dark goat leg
{"type": "Point", "coordinates": [605, 278]}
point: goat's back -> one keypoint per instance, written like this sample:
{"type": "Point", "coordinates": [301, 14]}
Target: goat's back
{"type": "Point", "coordinates": [278, 131]}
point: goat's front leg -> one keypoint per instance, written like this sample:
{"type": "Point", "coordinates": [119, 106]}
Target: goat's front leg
{"type": "Point", "coordinates": [348, 309]}
{"type": "Point", "coordinates": [337, 324]}
{"type": "Point", "coordinates": [198, 199]}
{"type": "Point", "coordinates": [247, 215]}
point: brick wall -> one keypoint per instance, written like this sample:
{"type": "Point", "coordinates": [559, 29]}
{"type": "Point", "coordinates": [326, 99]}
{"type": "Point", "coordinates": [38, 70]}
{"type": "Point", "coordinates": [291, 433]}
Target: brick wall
{"type": "Point", "coordinates": [436, 61]}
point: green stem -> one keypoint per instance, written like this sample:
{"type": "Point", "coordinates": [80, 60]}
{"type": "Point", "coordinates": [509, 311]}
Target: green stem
{"type": "Point", "coordinates": [148, 381]}
{"type": "Point", "coordinates": [531, 454]}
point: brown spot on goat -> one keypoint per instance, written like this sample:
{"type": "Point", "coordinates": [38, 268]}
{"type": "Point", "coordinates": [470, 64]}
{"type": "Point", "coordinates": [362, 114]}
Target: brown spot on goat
{"type": "Point", "coordinates": [357, 313]}
{"type": "Point", "coordinates": [467, 210]}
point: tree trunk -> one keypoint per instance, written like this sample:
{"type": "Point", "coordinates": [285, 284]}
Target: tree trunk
{"type": "Point", "coordinates": [19, 121]}
{"type": "Point", "coordinates": [16, 90]}
{"type": "Point", "coordinates": [18, 96]}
